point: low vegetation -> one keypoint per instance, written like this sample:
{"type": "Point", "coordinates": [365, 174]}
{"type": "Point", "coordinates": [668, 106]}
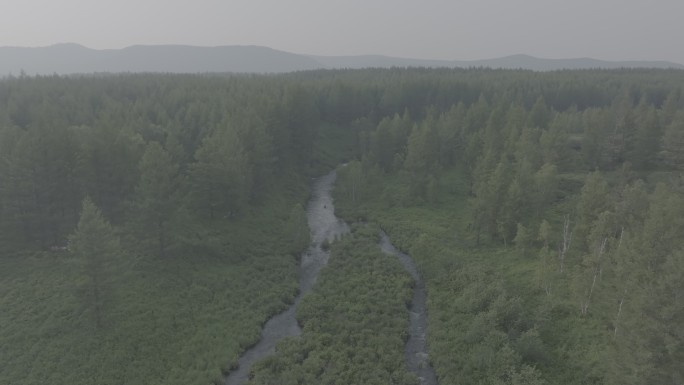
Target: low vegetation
{"type": "Point", "coordinates": [542, 265]}
{"type": "Point", "coordinates": [353, 324]}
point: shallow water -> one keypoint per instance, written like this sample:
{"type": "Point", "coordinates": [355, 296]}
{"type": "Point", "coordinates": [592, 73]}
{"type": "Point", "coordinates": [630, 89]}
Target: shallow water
{"type": "Point", "coordinates": [416, 347]}
{"type": "Point", "coordinates": [324, 225]}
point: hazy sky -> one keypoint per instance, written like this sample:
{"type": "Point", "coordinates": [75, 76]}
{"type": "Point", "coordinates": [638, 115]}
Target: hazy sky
{"type": "Point", "coordinates": [430, 29]}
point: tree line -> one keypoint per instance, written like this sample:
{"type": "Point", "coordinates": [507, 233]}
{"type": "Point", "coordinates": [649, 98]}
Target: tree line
{"type": "Point", "coordinates": [576, 173]}
{"type": "Point", "coordinates": [588, 196]}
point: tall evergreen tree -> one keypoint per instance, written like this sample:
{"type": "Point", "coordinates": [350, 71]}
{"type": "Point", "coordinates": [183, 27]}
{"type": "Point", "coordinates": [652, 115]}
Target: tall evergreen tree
{"type": "Point", "coordinates": [297, 230]}
{"type": "Point", "coordinates": [422, 156]}
{"type": "Point", "coordinates": [540, 115]}
{"type": "Point", "coordinates": [643, 146]}
{"type": "Point", "coordinates": [673, 143]}
{"type": "Point", "coordinates": [221, 175]}
{"type": "Point", "coordinates": [594, 200]}
{"type": "Point", "coordinates": [157, 198]}
{"type": "Point", "coordinates": [95, 243]}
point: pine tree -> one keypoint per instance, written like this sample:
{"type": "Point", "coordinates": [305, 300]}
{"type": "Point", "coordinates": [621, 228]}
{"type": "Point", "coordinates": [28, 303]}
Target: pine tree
{"type": "Point", "coordinates": [545, 269]}
{"type": "Point", "coordinates": [259, 151]}
{"type": "Point", "coordinates": [540, 115]}
{"type": "Point", "coordinates": [157, 197]}
{"type": "Point", "coordinates": [490, 199]}
{"type": "Point", "coordinates": [352, 180]}
{"type": "Point", "coordinates": [663, 225]}
{"type": "Point", "coordinates": [422, 156]}
{"type": "Point", "coordinates": [221, 176]}
{"type": "Point", "coordinates": [382, 149]}
{"type": "Point", "coordinates": [297, 230]}
{"type": "Point", "coordinates": [450, 134]}
{"type": "Point", "coordinates": [522, 238]}
{"type": "Point", "coordinates": [545, 184]}
{"type": "Point", "coordinates": [673, 143]}
{"type": "Point", "coordinates": [643, 146]}
{"type": "Point", "coordinates": [594, 200]}
{"type": "Point", "coordinates": [670, 107]}
{"type": "Point", "coordinates": [95, 244]}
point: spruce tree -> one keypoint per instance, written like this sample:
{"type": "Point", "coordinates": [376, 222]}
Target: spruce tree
{"type": "Point", "coordinates": [157, 198]}
{"type": "Point", "coordinates": [221, 175]}
{"type": "Point", "coordinates": [95, 244]}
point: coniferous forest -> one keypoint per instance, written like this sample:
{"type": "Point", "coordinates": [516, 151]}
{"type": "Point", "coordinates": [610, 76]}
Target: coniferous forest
{"type": "Point", "coordinates": [151, 224]}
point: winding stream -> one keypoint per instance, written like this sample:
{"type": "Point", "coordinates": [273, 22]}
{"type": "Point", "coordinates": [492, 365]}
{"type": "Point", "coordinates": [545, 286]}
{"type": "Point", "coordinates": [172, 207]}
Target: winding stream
{"type": "Point", "coordinates": [416, 346]}
{"type": "Point", "coordinates": [324, 225]}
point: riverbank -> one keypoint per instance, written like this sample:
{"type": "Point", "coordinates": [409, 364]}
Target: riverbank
{"type": "Point", "coordinates": [354, 323]}
{"type": "Point", "coordinates": [416, 350]}
{"type": "Point", "coordinates": [478, 328]}
{"type": "Point", "coordinates": [324, 227]}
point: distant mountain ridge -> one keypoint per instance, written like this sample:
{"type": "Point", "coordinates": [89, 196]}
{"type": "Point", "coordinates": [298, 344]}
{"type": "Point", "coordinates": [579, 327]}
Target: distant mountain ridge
{"type": "Point", "coordinates": [73, 58]}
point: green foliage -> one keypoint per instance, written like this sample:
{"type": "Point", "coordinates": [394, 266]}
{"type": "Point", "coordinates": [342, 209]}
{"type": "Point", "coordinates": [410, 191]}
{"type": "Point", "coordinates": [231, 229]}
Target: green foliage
{"type": "Point", "coordinates": [209, 172]}
{"type": "Point", "coordinates": [95, 244]}
{"type": "Point", "coordinates": [157, 199]}
{"type": "Point", "coordinates": [544, 232]}
{"type": "Point", "coordinates": [545, 185]}
{"type": "Point", "coordinates": [95, 315]}
{"type": "Point", "coordinates": [522, 238]}
{"type": "Point", "coordinates": [673, 143]}
{"type": "Point", "coordinates": [576, 313]}
{"type": "Point", "coordinates": [297, 230]}
{"type": "Point", "coordinates": [352, 178]}
{"type": "Point", "coordinates": [178, 320]}
{"type": "Point", "coordinates": [353, 323]}
{"type": "Point", "coordinates": [220, 176]}
{"type": "Point", "coordinates": [594, 200]}
{"type": "Point", "coordinates": [422, 156]}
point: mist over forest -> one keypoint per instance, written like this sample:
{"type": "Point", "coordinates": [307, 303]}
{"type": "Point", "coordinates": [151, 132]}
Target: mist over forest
{"type": "Point", "coordinates": [69, 58]}
{"type": "Point", "coordinates": [151, 224]}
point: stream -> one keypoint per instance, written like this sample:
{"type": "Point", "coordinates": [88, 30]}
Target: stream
{"type": "Point", "coordinates": [324, 225]}
{"type": "Point", "coordinates": [416, 346]}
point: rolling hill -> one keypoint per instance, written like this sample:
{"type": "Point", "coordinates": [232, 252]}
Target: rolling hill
{"type": "Point", "coordinates": [72, 58]}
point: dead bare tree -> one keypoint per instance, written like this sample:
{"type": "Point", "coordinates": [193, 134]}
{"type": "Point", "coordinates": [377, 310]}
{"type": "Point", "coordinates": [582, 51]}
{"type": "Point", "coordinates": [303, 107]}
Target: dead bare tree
{"type": "Point", "coordinates": [624, 292]}
{"type": "Point", "coordinates": [597, 269]}
{"type": "Point", "coordinates": [565, 245]}
{"type": "Point", "coordinates": [617, 318]}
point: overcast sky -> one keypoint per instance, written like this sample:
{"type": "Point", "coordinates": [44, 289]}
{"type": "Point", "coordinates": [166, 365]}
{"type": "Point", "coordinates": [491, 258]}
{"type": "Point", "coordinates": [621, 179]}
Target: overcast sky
{"type": "Point", "coordinates": [428, 29]}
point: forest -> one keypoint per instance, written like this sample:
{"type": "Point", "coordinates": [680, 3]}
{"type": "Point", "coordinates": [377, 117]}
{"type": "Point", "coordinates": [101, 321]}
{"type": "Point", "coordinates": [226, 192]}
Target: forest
{"type": "Point", "coordinates": [150, 224]}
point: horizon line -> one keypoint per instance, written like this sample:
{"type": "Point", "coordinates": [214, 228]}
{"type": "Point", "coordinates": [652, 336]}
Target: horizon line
{"type": "Point", "coordinates": [526, 55]}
